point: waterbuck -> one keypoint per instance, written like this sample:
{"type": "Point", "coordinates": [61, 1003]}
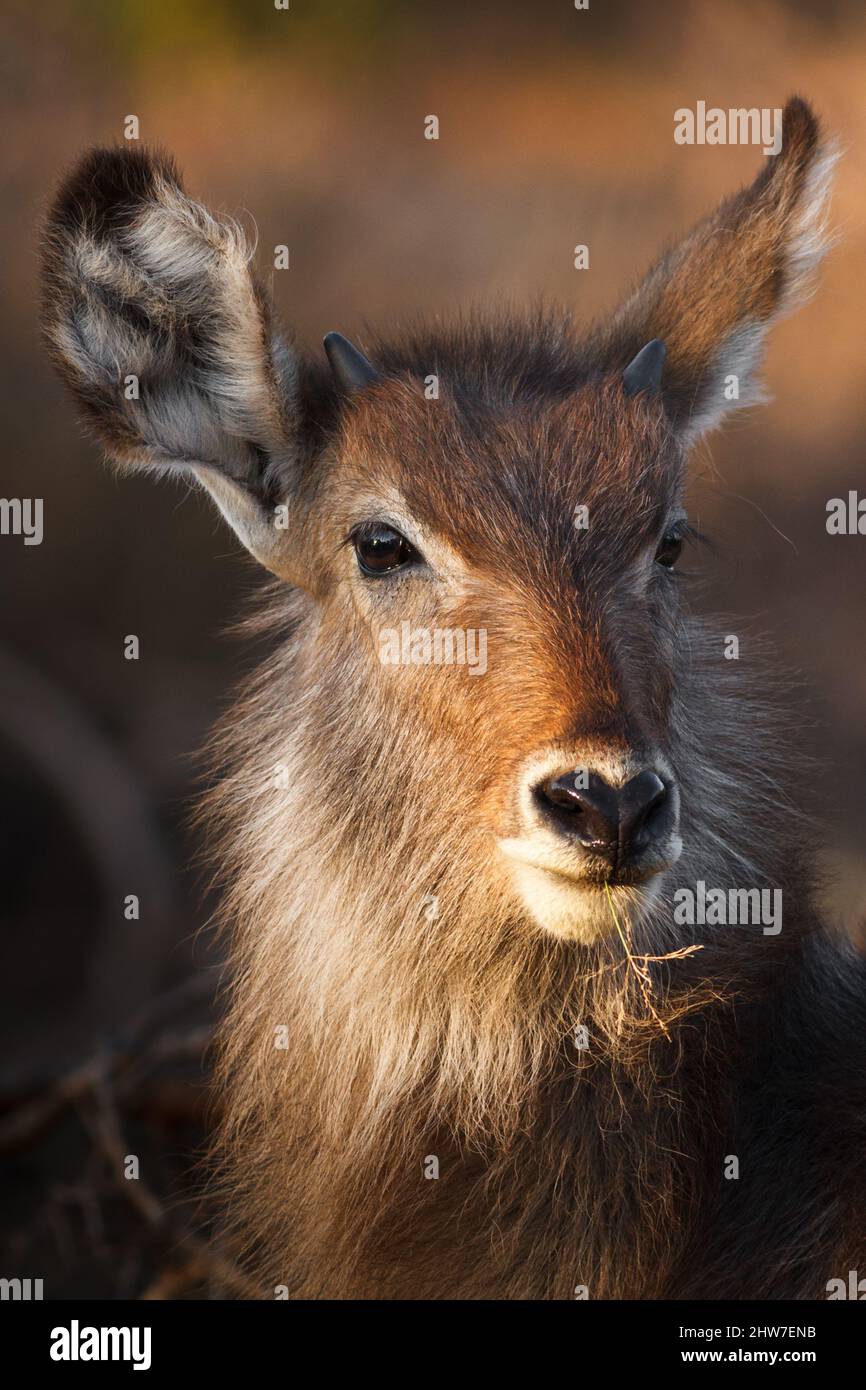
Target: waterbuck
{"type": "Point", "coordinates": [475, 1047]}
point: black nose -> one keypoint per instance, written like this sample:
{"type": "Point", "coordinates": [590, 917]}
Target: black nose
{"type": "Point", "coordinates": [616, 823]}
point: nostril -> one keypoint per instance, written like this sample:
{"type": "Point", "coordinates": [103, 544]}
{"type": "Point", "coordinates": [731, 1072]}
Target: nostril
{"type": "Point", "coordinates": [563, 792]}
{"type": "Point", "coordinates": [581, 806]}
{"type": "Point", "coordinates": [642, 802]}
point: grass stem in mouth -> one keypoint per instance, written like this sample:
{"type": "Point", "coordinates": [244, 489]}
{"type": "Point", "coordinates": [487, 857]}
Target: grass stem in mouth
{"type": "Point", "coordinates": [640, 964]}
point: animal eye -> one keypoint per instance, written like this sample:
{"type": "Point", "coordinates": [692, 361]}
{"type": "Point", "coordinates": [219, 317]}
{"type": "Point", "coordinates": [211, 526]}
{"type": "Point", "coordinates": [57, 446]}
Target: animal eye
{"type": "Point", "coordinates": [382, 550]}
{"type": "Point", "coordinates": [670, 549]}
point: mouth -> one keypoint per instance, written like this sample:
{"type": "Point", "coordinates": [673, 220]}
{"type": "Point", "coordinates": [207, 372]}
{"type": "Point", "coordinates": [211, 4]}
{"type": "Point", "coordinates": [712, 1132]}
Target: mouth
{"type": "Point", "coordinates": [590, 871]}
{"type": "Point", "coordinates": [572, 901]}
{"type": "Point", "coordinates": [598, 877]}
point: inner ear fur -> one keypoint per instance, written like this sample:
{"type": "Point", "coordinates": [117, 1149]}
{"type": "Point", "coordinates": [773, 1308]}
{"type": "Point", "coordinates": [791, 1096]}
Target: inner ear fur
{"type": "Point", "coordinates": [165, 338]}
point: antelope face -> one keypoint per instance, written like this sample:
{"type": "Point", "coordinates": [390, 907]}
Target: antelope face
{"type": "Point", "coordinates": [483, 524]}
{"type": "Point", "coordinates": [507, 575]}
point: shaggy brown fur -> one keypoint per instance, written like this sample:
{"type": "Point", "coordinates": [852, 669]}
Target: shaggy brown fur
{"type": "Point", "coordinates": [352, 794]}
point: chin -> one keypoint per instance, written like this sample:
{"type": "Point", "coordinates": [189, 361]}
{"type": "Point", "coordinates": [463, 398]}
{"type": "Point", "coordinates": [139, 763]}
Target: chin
{"type": "Point", "coordinates": [575, 911]}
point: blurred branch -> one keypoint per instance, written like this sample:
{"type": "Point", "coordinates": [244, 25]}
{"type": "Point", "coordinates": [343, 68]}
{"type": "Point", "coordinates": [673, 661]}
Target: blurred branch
{"type": "Point", "coordinates": [136, 1055]}
{"type": "Point", "coordinates": [202, 1259]}
{"type": "Point", "coordinates": [103, 1088]}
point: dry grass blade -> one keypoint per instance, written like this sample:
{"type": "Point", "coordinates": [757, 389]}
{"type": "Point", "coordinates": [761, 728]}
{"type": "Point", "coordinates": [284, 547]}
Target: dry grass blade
{"type": "Point", "coordinates": [639, 963]}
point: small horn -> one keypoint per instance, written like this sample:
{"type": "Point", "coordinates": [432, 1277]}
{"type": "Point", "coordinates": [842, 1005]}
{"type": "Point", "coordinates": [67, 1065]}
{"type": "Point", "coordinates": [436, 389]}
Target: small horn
{"type": "Point", "coordinates": [644, 372]}
{"type": "Point", "coordinates": [352, 370]}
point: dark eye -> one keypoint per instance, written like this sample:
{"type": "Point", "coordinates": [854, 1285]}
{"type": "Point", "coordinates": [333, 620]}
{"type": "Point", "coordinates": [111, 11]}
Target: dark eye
{"type": "Point", "coordinates": [381, 550]}
{"type": "Point", "coordinates": [670, 549]}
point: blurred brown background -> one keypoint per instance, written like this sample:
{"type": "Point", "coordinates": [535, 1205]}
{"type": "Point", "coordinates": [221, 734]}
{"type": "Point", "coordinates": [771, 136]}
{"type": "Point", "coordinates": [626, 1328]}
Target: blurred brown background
{"type": "Point", "coordinates": [556, 129]}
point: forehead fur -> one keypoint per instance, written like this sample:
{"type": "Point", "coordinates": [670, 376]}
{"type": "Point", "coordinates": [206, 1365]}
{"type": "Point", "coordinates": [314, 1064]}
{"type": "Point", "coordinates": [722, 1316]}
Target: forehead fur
{"type": "Point", "coordinates": [487, 466]}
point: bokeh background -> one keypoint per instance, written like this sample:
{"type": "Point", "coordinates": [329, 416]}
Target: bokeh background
{"type": "Point", "coordinates": [556, 129]}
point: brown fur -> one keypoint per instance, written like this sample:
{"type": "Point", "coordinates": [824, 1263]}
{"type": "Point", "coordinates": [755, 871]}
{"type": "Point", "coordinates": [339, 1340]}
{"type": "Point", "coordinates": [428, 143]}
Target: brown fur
{"type": "Point", "coordinates": [451, 1034]}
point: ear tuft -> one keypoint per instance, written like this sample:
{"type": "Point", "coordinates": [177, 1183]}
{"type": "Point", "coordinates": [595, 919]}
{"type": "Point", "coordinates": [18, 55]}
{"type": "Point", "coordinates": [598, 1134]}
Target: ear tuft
{"type": "Point", "coordinates": [808, 176]}
{"type": "Point", "coordinates": [108, 187]}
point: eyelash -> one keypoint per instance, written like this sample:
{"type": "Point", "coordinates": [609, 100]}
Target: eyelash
{"type": "Point", "coordinates": [685, 531]}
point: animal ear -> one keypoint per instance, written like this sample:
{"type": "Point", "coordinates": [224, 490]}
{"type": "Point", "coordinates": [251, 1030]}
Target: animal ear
{"type": "Point", "coordinates": [712, 298]}
{"type": "Point", "coordinates": [165, 339]}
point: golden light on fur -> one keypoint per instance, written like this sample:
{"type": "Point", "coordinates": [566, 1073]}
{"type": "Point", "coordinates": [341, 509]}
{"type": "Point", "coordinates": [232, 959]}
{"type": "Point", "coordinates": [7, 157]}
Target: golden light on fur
{"type": "Point", "coordinates": [459, 974]}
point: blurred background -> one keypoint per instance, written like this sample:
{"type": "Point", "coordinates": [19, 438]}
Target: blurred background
{"type": "Point", "coordinates": [556, 128]}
